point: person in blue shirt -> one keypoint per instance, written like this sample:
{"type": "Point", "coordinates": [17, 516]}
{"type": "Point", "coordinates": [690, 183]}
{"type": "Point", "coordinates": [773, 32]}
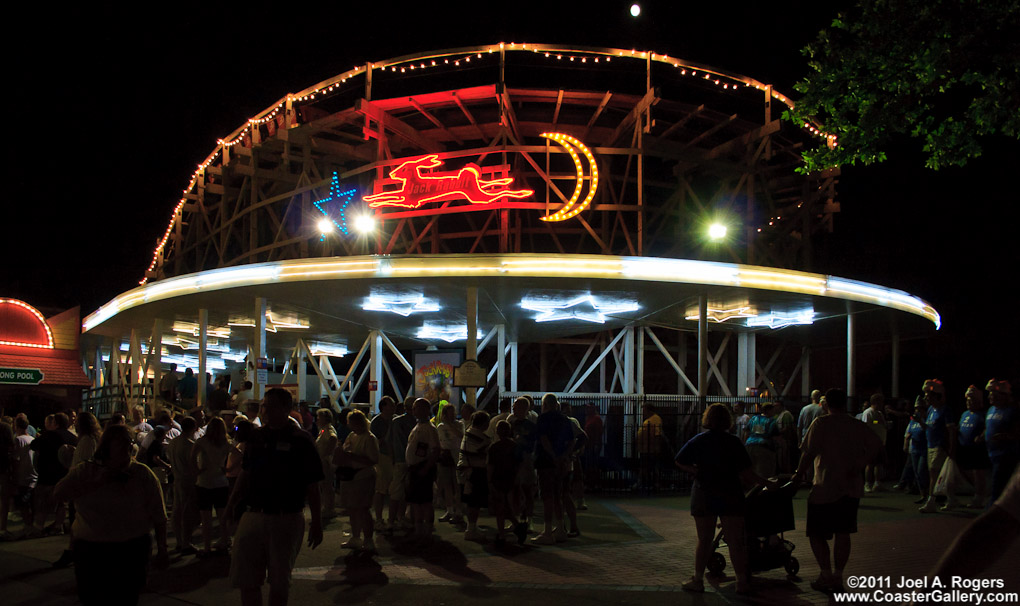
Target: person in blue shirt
{"type": "Point", "coordinates": [971, 455]}
{"type": "Point", "coordinates": [761, 444]}
{"type": "Point", "coordinates": [1002, 434]}
{"type": "Point", "coordinates": [940, 432]}
{"type": "Point", "coordinates": [915, 444]}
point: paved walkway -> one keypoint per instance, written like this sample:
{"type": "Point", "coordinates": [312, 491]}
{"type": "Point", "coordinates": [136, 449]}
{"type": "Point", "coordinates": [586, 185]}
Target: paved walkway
{"type": "Point", "coordinates": [633, 551]}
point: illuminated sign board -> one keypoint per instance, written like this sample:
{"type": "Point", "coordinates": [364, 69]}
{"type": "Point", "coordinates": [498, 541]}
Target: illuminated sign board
{"type": "Point", "coordinates": [416, 189]}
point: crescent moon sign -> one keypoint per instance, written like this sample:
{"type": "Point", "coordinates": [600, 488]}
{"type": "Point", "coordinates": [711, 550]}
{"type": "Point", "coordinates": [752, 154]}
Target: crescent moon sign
{"type": "Point", "coordinates": [573, 146]}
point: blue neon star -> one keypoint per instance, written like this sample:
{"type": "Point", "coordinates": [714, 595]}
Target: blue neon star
{"type": "Point", "coordinates": [334, 206]}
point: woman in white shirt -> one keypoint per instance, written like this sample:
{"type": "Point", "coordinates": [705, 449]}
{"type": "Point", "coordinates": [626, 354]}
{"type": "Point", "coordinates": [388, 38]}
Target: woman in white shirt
{"type": "Point", "coordinates": [451, 433]}
{"type": "Point", "coordinates": [209, 458]}
{"type": "Point", "coordinates": [356, 459]}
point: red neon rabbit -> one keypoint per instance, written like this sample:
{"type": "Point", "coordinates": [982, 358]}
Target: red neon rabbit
{"type": "Point", "coordinates": [417, 189]}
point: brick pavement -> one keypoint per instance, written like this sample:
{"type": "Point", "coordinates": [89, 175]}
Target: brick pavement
{"type": "Point", "coordinates": [633, 550]}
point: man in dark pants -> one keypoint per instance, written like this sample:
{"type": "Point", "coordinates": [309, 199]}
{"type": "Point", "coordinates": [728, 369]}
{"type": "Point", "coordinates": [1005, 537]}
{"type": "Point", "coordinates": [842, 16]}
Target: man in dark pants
{"type": "Point", "coordinates": [280, 473]}
{"type": "Point", "coordinates": [838, 446]}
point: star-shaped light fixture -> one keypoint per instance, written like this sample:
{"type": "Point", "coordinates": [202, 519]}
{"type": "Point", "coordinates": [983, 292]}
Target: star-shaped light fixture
{"type": "Point", "coordinates": [403, 305]}
{"type": "Point", "coordinates": [334, 206]}
{"type": "Point", "coordinates": [720, 315]}
{"type": "Point", "coordinates": [585, 307]}
{"type": "Point", "coordinates": [446, 332]}
{"type": "Point", "coordinates": [781, 320]}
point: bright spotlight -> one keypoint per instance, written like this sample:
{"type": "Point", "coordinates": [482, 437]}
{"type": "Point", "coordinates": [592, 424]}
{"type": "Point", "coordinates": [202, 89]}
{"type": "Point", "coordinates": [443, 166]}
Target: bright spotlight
{"type": "Point", "coordinates": [364, 224]}
{"type": "Point", "coordinates": [635, 10]}
{"type": "Point", "coordinates": [717, 231]}
{"type": "Point", "coordinates": [325, 226]}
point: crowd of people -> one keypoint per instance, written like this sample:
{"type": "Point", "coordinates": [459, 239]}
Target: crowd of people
{"type": "Point", "coordinates": [843, 457]}
{"type": "Point", "coordinates": [257, 464]}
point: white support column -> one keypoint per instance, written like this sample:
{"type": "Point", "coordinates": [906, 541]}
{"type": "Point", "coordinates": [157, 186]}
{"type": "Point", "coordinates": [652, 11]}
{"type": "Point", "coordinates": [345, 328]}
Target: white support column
{"type": "Point", "coordinates": [323, 366]}
{"type": "Point", "coordinates": [135, 379]}
{"type": "Point", "coordinates": [639, 372]}
{"type": "Point", "coordinates": [513, 366]}
{"type": "Point", "coordinates": [98, 371]}
{"type": "Point", "coordinates": [746, 355]}
{"type": "Point", "coordinates": [259, 342]}
{"type": "Point", "coordinates": [500, 360]}
{"type": "Point", "coordinates": [681, 362]}
{"type": "Point", "coordinates": [156, 354]}
{"type": "Point", "coordinates": [300, 370]}
{"type": "Point", "coordinates": [851, 367]}
{"type": "Point", "coordinates": [472, 336]}
{"type": "Point", "coordinates": [203, 341]}
{"type": "Point", "coordinates": [376, 372]}
{"type": "Point", "coordinates": [702, 346]}
{"type": "Point", "coordinates": [628, 361]}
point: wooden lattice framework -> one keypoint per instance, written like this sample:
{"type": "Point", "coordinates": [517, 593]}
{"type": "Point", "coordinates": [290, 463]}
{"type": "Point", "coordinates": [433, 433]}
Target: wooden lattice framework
{"type": "Point", "coordinates": [688, 142]}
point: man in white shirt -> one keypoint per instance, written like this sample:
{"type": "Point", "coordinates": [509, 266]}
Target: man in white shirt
{"type": "Point", "coordinates": [839, 447]}
{"type": "Point", "coordinates": [421, 456]}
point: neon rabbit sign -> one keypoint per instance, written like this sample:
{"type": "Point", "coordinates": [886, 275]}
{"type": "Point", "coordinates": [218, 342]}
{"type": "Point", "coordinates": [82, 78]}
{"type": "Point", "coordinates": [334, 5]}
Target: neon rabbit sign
{"type": "Point", "coordinates": [417, 189]}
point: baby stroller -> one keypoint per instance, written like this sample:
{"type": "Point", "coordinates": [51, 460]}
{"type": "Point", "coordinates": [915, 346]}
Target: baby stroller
{"type": "Point", "coordinates": [769, 513]}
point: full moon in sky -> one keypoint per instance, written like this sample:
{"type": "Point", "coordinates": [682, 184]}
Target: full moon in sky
{"type": "Point", "coordinates": [635, 10]}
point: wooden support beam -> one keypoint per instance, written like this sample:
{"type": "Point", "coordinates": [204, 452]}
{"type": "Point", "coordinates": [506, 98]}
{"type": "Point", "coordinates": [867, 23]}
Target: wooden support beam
{"type": "Point", "coordinates": [650, 99]}
{"type": "Point", "coordinates": [396, 126]}
{"type": "Point", "coordinates": [595, 116]}
{"type": "Point", "coordinates": [434, 120]}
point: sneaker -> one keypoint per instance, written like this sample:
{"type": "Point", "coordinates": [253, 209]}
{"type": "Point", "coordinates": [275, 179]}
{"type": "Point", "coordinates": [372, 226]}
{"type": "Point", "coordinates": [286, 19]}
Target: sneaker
{"type": "Point", "coordinates": [581, 506]}
{"type": "Point", "coordinates": [383, 526]}
{"type": "Point", "coordinates": [899, 486]}
{"type": "Point", "coordinates": [694, 586]}
{"type": "Point", "coordinates": [868, 488]}
{"type": "Point", "coordinates": [949, 506]}
{"type": "Point", "coordinates": [446, 517]}
{"type": "Point", "coordinates": [369, 545]}
{"type": "Point", "coordinates": [876, 487]}
{"type": "Point", "coordinates": [928, 507]}
{"type": "Point", "coordinates": [473, 534]}
{"type": "Point", "coordinates": [352, 543]}
{"type": "Point", "coordinates": [574, 533]}
{"type": "Point", "coordinates": [560, 535]}
{"type": "Point", "coordinates": [543, 539]}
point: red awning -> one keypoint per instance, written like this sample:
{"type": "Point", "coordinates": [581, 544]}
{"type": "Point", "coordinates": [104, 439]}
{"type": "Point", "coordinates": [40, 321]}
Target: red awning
{"type": "Point", "coordinates": [56, 371]}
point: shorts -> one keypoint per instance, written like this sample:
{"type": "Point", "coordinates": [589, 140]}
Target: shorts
{"type": "Point", "coordinates": [936, 458]}
{"type": "Point", "coordinates": [265, 544]}
{"type": "Point", "coordinates": [419, 485]}
{"type": "Point", "coordinates": [826, 519]}
{"type": "Point", "coordinates": [383, 474]}
{"type": "Point", "coordinates": [357, 494]}
{"type": "Point", "coordinates": [398, 485]}
{"type": "Point", "coordinates": [209, 498]}
{"type": "Point", "coordinates": [708, 504]}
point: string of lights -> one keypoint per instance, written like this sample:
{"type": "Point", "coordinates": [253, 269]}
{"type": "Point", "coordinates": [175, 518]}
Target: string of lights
{"type": "Point", "coordinates": [457, 58]}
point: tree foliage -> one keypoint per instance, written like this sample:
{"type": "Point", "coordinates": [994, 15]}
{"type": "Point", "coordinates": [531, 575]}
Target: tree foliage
{"type": "Point", "coordinates": [945, 72]}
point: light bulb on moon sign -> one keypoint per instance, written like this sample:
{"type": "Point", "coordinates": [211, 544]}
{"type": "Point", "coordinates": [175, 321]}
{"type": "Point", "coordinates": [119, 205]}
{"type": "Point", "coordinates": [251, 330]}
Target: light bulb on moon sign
{"type": "Point", "coordinates": [635, 10]}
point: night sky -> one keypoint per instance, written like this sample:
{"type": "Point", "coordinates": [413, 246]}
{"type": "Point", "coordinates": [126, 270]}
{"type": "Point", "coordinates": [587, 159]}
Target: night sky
{"type": "Point", "coordinates": [108, 110]}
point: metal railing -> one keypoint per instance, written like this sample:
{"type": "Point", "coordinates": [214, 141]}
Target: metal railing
{"type": "Point", "coordinates": [622, 463]}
